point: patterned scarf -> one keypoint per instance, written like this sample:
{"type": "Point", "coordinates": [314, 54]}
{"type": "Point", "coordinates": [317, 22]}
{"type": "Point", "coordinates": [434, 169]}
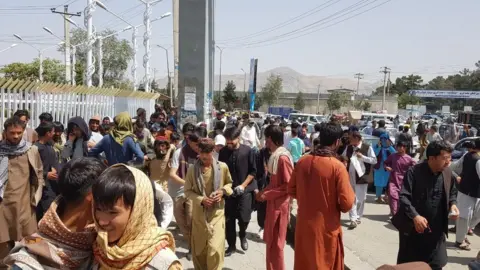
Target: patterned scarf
{"type": "Point", "coordinates": [273, 161]}
{"type": "Point", "coordinates": [8, 150]}
{"type": "Point", "coordinates": [73, 248]}
{"type": "Point", "coordinates": [142, 238]}
{"type": "Point", "coordinates": [54, 246]}
{"type": "Point", "coordinates": [324, 152]}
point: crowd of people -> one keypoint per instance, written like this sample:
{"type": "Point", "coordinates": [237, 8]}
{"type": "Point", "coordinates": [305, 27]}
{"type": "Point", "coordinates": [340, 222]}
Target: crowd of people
{"type": "Point", "coordinates": [101, 194]}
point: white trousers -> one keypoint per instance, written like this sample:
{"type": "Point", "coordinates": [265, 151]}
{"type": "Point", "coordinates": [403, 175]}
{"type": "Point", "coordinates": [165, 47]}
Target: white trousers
{"type": "Point", "coordinates": [360, 196]}
{"type": "Point", "coordinates": [469, 215]}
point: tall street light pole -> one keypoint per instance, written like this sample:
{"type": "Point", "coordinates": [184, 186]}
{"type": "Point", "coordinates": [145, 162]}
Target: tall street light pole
{"type": "Point", "coordinates": [169, 78]}
{"type": "Point", "coordinates": [244, 83]}
{"type": "Point", "coordinates": [40, 56]}
{"type": "Point", "coordinates": [8, 48]}
{"type": "Point", "coordinates": [220, 76]}
{"type": "Point", "coordinates": [134, 43]}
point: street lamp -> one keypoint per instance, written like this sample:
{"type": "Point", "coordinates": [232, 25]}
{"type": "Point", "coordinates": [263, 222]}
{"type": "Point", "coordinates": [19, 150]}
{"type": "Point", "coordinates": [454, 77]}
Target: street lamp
{"type": "Point", "coordinates": [134, 41]}
{"type": "Point", "coordinates": [134, 37]}
{"type": "Point", "coordinates": [169, 78]}
{"type": "Point", "coordinates": [40, 69]}
{"type": "Point", "coordinates": [100, 53]}
{"type": "Point", "coordinates": [244, 80]}
{"type": "Point", "coordinates": [8, 48]}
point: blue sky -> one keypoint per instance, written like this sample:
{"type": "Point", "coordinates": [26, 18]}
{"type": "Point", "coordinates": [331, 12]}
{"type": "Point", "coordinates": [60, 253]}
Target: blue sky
{"type": "Point", "coordinates": [428, 37]}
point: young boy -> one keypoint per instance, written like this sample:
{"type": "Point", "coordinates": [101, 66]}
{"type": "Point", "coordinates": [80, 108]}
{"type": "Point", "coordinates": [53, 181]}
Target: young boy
{"type": "Point", "coordinates": [397, 164]}
{"type": "Point", "coordinates": [296, 146]}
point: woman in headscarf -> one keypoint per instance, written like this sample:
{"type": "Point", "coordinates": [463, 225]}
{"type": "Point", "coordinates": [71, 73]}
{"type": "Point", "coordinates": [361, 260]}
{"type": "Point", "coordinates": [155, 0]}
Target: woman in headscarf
{"type": "Point", "coordinates": [120, 145]}
{"type": "Point", "coordinates": [382, 150]}
{"type": "Point", "coordinates": [128, 233]}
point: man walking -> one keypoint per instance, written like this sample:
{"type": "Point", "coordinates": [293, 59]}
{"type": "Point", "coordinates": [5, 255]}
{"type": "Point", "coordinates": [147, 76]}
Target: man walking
{"type": "Point", "coordinates": [241, 163]}
{"type": "Point", "coordinates": [206, 184]}
{"type": "Point", "coordinates": [468, 167]}
{"type": "Point", "coordinates": [21, 183]}
{"type": "Point", "coordinates": [427, 199]}
{"type": "Point", "coordinates": [182, 159]}
{"type": "Point", "coordinates": [361, 157]}
{"type": "Point", "coordinates": [280, 167]}
{"type": "Point", "coordinates": [321, 185]}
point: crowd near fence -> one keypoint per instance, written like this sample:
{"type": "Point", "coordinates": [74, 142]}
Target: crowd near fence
{"type": "Point", "coordinates": [65, 101]}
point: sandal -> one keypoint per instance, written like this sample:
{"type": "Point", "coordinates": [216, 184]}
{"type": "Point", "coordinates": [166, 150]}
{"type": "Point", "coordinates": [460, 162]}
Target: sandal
{"type": "Point", "coordinates": [467, 241]}
{"type": "Point", "coordinates": [463, 246]}
{"type": "Point", "coordinates": [470, 232]}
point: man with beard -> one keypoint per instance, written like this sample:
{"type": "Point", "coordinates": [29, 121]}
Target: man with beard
{"type": "Point", "coordinates": [59, 139]}
{"type": "Point", "coordinates": [157, 166]}
{"type": "Point", "coordinates": [29, 135]}
{"type": "Point", "coordinates": [21, 183]}
{"type": "Point", "coordinates": [94, 125]}
{"type": "Point", "coordinates": [241, 163]}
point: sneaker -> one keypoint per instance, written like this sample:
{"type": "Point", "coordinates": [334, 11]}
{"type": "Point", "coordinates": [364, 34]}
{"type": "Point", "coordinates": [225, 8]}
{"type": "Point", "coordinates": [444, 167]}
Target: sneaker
{"type": "Point", "coordinates": [352, 225]}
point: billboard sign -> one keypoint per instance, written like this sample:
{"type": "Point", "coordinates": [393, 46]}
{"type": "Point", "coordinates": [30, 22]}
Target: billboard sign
{"type": "Point", "coordinates": [445, 94]}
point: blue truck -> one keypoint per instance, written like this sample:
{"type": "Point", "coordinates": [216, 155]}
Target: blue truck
{"type": "Point", "coordinates": [282, 111]}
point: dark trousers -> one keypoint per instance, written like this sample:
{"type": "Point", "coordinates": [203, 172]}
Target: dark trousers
{"type": "Point", "coordinates": [261, 213]}
{"type": "Point", "coordinates": [238, 208]}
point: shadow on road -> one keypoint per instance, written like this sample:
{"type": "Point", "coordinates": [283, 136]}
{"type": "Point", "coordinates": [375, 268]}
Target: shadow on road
{"type": "Point", "coordinates": [254, 237]}
{"type": "Point", "coordinates": [459, 260]}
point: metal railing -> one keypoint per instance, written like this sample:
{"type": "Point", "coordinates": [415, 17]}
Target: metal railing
{"type": "Point", "coordinates": [66, 101]}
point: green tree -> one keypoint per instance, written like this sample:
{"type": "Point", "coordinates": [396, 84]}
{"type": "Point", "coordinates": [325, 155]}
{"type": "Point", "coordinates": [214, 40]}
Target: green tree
{"type": "Point", "coordinates": [117, 54]}
{"type": "Point", "coordinates": [357, 104]}
{"type": "Point", "coordinates": [53, 71]}
{"type": "Point", "coordinates": [229, 96]}
{"type": "Point", "coordinates": [299, 102]}
{"type": "Point", "coordinates": [335, 101]}
{"type": "Point", "coordinates": [405, 99]}
{"type": "Point", "coordinates": [217, 99]}
{"type": "Point", "coordinates": [366, 106]}
{"type": "Point", "coordinates": [245, 101]}
{"type": "Point", "coordinates": [402, 85]}
{"type": "Point", "coordinates": [272, 89]}
{"type": "Point", "coordinates": [258, 102]}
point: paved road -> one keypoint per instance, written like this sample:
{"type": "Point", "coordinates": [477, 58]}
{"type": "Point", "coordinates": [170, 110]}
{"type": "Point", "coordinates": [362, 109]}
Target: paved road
{"type": "Point", "coordinates": [253, 259]}
{"type": "Point", "coordinates": [375, 241]}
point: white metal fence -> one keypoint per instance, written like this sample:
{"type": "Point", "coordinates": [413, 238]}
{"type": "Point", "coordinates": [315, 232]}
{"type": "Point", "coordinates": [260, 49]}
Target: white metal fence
{"type": "Point", "coordinates": [66, 101]}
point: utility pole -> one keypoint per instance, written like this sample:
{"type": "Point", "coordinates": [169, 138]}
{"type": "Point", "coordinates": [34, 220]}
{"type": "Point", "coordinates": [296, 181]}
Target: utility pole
{"type": "Point", "coordinates": [176, 20]}
{"type": "Point", "coordinates": [358, 76]}
{"type": "Point", "coordinates": [384, 70]}
{"type": "Point", "coordinates": [66, 24]}
{"type": "Point", "coordinates": [388, 83]}
{"type": "Point", "coordinates": [318, 100]}
{"type": "Point", "coordinates": [220, 76]}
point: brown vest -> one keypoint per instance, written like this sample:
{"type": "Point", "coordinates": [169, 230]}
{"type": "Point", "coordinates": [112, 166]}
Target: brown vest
{"type": "Point", "coordinates": [368, 167]}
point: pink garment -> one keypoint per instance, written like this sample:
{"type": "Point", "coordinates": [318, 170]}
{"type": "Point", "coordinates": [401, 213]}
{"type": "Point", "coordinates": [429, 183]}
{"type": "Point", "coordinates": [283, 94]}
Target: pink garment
{"type": "Point", "coordinates": [400, 165]}
{"type": "Point", "coordinates": [276, 220]}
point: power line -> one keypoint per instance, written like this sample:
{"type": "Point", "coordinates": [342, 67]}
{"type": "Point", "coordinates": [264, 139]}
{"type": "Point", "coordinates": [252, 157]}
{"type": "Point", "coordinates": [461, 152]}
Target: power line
{"type": "Point", "coordinates": [320, 22]}
{"type": "Point", "coordinates": [288, 22]}
{"type": "Point", "coordinates": [314, 30]}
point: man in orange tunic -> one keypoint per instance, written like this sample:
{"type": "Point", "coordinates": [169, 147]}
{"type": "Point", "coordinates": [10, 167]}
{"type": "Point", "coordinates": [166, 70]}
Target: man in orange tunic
{"type": "Point", "coordinates": [280, 167]}
{"type": "Point", "coordinates": [321, 185]}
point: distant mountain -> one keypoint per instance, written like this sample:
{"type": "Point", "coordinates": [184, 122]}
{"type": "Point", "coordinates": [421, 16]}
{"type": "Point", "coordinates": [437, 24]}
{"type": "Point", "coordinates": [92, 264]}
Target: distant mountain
{"type": "Point", "coordinates": [294, 81]}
